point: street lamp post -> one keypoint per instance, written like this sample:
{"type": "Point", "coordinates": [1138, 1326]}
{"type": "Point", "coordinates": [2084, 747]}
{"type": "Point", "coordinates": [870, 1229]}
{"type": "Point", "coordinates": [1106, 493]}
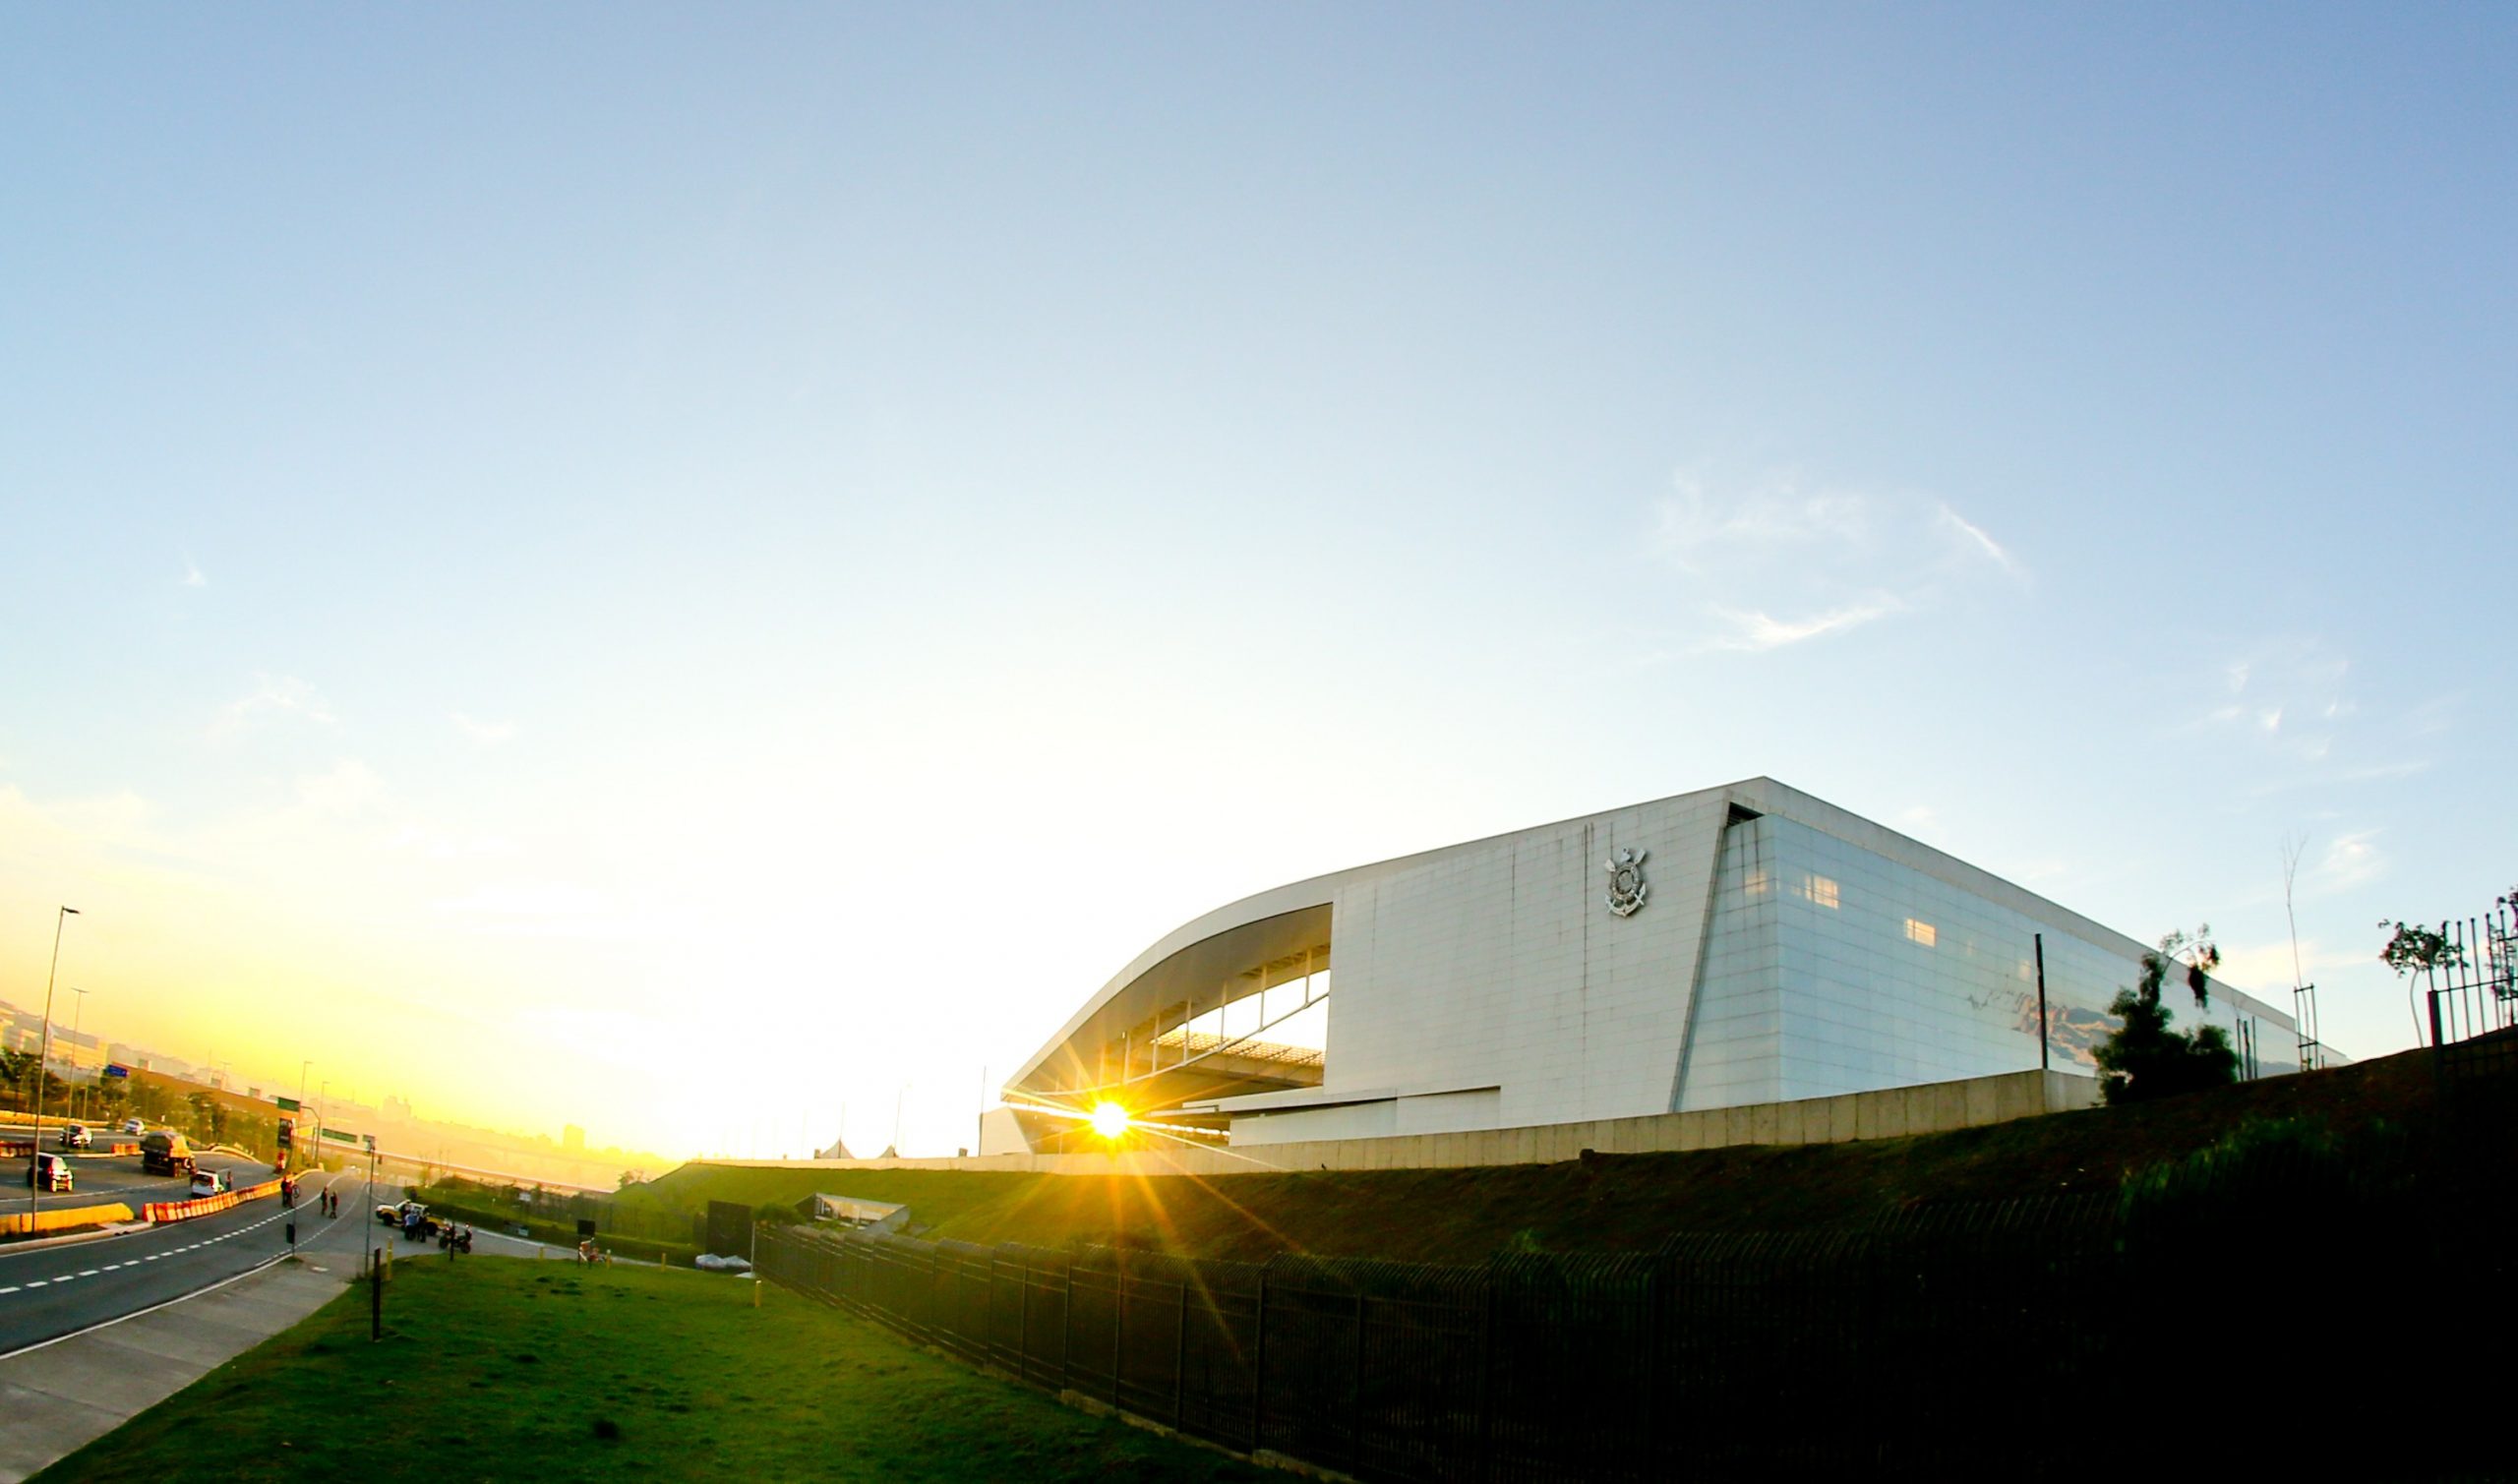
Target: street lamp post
{"type": "Point", "coordinates": [44, 1055]}
{"type": "Point", "coordinates": [301, 1104]}
{"type": "Point", "coordinates": [78, 1020]}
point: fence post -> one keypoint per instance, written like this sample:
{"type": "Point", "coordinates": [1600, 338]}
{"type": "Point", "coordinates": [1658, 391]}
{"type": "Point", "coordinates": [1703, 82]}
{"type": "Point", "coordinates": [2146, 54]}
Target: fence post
{"type": "Point", "coordinates": [1258, 1365]}
{"type": "Point", "coordinates": [1180, 1361]}
{"type": "Point", "coordinates": [1023, 1330]}
{"type": "Point", "coordinates": [1354, 1457]}
{"type": "Point", "coordinates": [1067, 1329]}
{"type": "Point", "coordinates": [1486, 1464]}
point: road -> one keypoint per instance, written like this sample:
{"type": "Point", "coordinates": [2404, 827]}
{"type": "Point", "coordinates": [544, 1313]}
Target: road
{"type": "Point", "coordinates": [50, 1290]}
{"type": "Point", "coordinates": [98, 1178]}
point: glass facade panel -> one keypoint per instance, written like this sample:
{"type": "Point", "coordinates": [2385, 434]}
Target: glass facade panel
{"type": "Point", "coordinates": [1869, 974]}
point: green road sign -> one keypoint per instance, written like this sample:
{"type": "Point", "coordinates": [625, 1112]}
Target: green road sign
{"type": "Point", "coordinates": [286, 1105]}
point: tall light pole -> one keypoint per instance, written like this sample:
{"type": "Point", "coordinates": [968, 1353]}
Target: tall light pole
{"type": "Point", "coordinates": [35, 1155]}
{"type": "Point", "coordinates": [77, 1018]}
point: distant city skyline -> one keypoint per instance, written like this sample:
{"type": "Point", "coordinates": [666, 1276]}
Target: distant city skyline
{"type": "Point", "coordinates": [710, 575]}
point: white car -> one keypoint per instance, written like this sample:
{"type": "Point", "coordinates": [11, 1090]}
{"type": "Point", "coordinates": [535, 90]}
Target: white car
{"type": "Point", "coordinates": [134, 1126]}
{"type": "Point", "coordinates": [50, 1173]}
{"type": "Point", "coordinates": [210, 1182]}
{"type": "Point", "coordinates": [75, 1136]}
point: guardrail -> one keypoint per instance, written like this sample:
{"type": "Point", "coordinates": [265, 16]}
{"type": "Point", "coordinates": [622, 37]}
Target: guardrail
{"type": "Point", "coordinates": [185, 1210]}
{"type": "Point", "coordinates": [62, 1218]}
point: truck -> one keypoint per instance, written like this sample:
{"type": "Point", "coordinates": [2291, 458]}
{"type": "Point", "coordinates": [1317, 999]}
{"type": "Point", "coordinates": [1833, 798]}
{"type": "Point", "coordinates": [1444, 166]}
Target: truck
{"type": "Point", "coordinates": [165, 1152]}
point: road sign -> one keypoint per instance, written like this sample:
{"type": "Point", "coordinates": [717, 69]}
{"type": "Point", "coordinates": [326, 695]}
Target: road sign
{"type": "Point", "coordinates": [286, 1105]}
{"type": "Point", "coordinates": [116, 1069]}
{"type": "Point", "coordinates": [288, 1132]}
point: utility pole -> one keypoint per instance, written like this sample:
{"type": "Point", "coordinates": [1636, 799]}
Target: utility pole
{"type": "Point", "coordinates": [44, 1055]}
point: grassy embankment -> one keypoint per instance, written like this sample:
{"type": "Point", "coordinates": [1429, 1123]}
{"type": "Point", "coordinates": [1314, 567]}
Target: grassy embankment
{"type": "Point", "coordinates": [475, 1209]}
{"type": "Point", "coordinates": [1616, 1203]}
{"type": "Point", "coordinates": [499, 1368]}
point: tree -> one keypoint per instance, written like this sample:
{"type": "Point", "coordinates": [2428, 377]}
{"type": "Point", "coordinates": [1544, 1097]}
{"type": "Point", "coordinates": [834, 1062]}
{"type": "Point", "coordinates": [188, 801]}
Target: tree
{"type": "Point", "coordinates": [2415, 949]}
{"type": "Point", "coordinates": [112, 1093]}
{"type": "Point", "coordinates": [17, 1069]}
{"type": "Point", "coordinates": [209, 1117]}
{"type": "Point", "coordinates": [2145, 1059]}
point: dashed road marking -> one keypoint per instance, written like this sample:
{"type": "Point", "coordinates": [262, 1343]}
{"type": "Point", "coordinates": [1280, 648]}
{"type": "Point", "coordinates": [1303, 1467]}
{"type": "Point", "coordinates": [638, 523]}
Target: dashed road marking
{"type": "Point", "coordinates": [87, 1272]}
{"type": "Point", "coordinates": [37, 1282]}
{"type": "Point", "coordinates": [12, 1288]}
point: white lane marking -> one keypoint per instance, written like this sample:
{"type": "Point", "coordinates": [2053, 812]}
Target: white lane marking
{"type": "Point", "coordinates": [41, 1344]}
{"type": "Point", "coordinates": [87, 1272]}
{"type": "Point", "coordinates": [12, 1288]}
{"type": "Point", "coordinates": [37, 1282]}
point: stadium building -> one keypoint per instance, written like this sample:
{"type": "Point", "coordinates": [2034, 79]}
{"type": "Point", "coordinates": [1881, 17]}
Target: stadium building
{"type": "Point", "coordinates": [1744, 945]}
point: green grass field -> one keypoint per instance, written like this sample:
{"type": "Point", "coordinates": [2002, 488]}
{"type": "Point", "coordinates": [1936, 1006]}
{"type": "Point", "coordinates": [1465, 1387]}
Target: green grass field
{"type": "Point", "coordinates": [1616, 1204]}
{"type": "Point", "coordinates": [501, 1368]}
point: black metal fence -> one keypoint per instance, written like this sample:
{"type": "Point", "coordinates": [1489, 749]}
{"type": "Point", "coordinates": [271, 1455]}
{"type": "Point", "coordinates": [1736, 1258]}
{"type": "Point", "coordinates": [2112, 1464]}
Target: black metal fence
{"type": "Point", "coordinates": [2471, 987]}
{"type": "Point", "coordinates": [2272, 1289]}
{"type": "Point", "coordinates": [1963, 1340]}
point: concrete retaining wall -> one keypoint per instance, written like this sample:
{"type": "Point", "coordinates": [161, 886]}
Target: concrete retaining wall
{"type": "Point", "coordinates": [63, 1219]}
{"type": "Point", "coordinates": [1891, 1113]}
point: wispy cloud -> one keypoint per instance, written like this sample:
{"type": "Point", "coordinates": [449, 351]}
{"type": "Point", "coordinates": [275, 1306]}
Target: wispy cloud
{"type": "Point", "coordinates": [271, 695]}
{"type": "Point", "coordinates": [1778, 563]}
{"type": "Point", "coordinates": [483, 734]}
{"type": "Point", "coordinates": [193, 575]}
{"type": "Point", "coordinates": [2348, 861]}
{"type": "Point", "coordinates": [1752, 631]}
{"type": "Point", "coordinates": [1974, 535]}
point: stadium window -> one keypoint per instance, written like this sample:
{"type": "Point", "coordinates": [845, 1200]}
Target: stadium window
{"type": "Point", "coordinates": [1820, 889]}
{"type": "Point", "coordinates": [1756, 882]}
{"type": "Point", "coordinates": [1922, 932]}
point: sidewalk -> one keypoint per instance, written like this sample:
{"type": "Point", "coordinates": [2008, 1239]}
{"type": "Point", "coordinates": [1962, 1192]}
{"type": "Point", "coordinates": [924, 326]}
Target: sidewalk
{"type": "Point", "coordinates": [63, 1395]}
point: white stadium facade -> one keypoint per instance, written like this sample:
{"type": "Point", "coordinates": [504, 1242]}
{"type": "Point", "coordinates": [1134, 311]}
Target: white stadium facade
{"type": "Point", "coordinates": [1740, 947]}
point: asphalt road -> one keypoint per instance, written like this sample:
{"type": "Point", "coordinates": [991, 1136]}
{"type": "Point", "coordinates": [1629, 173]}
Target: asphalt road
{"type": "Point", "coordinates": [99, 1178]}
{"type": "Point", "coordinates": [50, 1290]}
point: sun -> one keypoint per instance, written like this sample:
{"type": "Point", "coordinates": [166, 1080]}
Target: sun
{"type": "Point", "coordinates": [1109, 1120]}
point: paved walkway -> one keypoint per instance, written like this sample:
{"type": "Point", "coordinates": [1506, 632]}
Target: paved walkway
{"type": "Point", "coordinates": [61, 1396]}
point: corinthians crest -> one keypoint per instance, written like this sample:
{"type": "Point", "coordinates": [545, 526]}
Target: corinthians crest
{"type": "Point", "coordinates": [1626, 886]}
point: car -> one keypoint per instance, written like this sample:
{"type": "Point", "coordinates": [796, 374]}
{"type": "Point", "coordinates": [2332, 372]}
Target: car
{"type": "Point", "coordinates": [410, 1217]}
{"type": "Point", "coordinates": [75, 1136]}
{"type": "Point", "coordinates": [50, 1173]}
{"type": "Point", "coordinates": [210, 1182]}
{"type": "Point", "coordinates": [134, 1126]}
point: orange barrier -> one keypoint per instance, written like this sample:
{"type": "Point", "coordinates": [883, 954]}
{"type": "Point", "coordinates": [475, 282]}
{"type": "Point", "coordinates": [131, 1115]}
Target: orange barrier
{"type": "Point", "coordinates": [18, 1148]}
{"type": "Point", "coordinates": [61, 1218]}
{"type": "Point", "coordinates": [185, 1210]}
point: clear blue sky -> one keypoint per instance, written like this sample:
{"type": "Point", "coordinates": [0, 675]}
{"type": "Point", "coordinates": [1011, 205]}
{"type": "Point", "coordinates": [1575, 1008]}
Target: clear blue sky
{"type": "Point", "coordinates": [803, 537]}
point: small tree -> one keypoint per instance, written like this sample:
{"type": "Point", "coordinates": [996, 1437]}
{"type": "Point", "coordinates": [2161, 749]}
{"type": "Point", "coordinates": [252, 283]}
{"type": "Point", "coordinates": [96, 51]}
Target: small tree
{"type": "Point", "coordinates": [2145, 1059]}
{"type": "Point", "coordinates": [18, 1069]}
{"type": "Point", "coordinates": [111, 1093]}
